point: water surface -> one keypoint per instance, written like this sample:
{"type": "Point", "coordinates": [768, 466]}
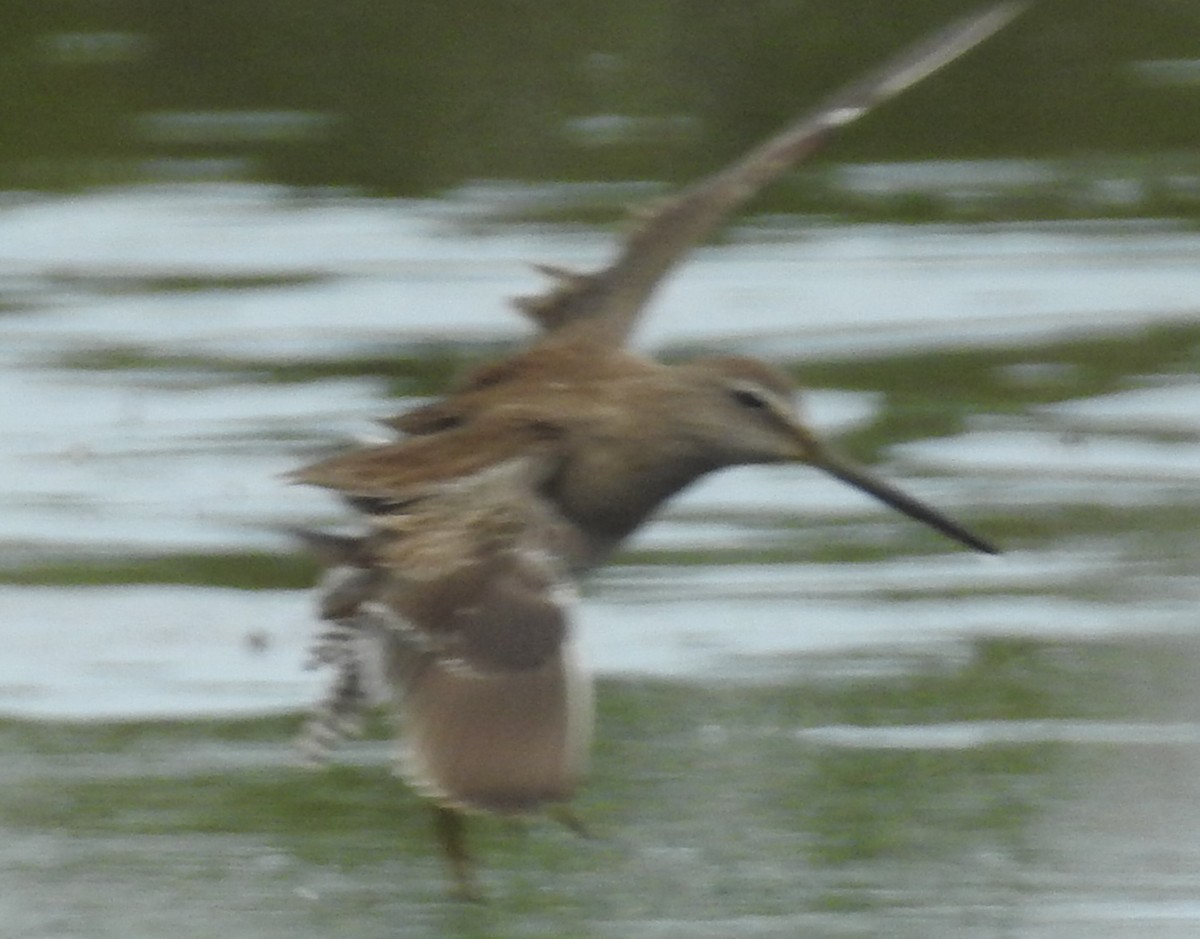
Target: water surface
{"type": "Point", "coordinates": [816, 718]}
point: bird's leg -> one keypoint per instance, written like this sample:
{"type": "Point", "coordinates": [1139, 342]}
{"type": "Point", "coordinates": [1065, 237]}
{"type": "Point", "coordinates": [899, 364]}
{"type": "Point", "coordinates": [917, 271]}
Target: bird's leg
{"type": "Point", "coordinates": [451, 827]}
{"type": "Point", "coordinates": [565, 816]}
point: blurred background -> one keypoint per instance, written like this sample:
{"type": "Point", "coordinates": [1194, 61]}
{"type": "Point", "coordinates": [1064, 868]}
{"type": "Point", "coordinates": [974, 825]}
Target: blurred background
{"type": "Point", "coordinates": [234, 234]}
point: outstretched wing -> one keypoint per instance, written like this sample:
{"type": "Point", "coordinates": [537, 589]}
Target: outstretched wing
{"type": "Point", "coordinates": [603, 306]}
{"type": "Point", "coordinates": [457, 608]}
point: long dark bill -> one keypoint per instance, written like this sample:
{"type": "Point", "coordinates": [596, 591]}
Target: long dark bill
{"type": "Point", "coordinates": [890, 495]}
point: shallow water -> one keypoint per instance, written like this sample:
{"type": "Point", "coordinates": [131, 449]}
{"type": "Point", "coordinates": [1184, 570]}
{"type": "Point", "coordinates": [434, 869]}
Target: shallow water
{"type": "Point", "coordinates": [817, 718]}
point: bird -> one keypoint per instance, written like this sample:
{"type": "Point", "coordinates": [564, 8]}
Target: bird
{"type": "Point", "coordinates": [451, 604]}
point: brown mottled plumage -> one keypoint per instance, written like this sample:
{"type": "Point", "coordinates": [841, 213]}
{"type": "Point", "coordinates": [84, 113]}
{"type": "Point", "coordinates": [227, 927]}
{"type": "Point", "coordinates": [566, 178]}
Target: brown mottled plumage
{"type": "Point", "coordinates": [453, 605]}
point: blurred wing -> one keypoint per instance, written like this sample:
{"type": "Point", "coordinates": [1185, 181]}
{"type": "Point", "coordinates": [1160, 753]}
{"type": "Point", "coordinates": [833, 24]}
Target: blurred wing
{"type": "Point", "coordinates": [392, 474]}
{"type": "Point", "coordinates": [603, 306]}
{"type": "Point", "coordinates": [467, 629]}
{"type": "Point", "coordinates": [490, 612]}
{"type": "Point", "coordinates": [498, 714]}
{"type": "Point", "coordinates": [506, 742]}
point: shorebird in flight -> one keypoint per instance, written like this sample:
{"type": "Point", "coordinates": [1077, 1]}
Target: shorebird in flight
{"type": "Point", "coordinates": [453, 604]}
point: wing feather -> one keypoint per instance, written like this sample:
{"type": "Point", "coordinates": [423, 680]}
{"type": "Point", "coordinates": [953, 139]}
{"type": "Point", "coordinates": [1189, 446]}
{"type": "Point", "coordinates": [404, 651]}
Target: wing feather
{"type": "Point", "coordinates": [603, 306]}
{"type": "Point", "coordinates": [415, 467]}
{"type": "Point", "coordinates": [457, 609]}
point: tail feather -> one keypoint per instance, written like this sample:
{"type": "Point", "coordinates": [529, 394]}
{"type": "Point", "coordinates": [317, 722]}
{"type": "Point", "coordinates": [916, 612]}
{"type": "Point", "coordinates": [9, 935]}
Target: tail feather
{"type": "Point", "coordinates": [339, 714]}
{"type": "Point", "coordinates": [371, 658]}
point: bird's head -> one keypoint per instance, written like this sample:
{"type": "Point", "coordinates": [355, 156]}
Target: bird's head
{"type": "Point", "coordinates": [744, 411]}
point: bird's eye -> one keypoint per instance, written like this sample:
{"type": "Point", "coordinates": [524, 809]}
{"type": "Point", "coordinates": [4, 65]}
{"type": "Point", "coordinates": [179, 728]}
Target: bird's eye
{"type": "Point", "coordinates": [749, 398]}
